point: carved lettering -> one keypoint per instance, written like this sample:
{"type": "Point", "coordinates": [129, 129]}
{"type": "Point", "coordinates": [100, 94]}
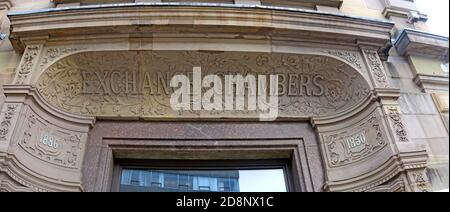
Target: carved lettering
{"type": "Point", "coordinates": [50, 143]}
{"type": "Point", "coordinates": [352, 145]}
{"type": "Point", "coordinates": [136, 84]}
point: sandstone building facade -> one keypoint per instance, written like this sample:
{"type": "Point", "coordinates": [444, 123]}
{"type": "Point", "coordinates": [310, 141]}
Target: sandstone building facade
{"type": "Point", "coordinates": [85, 94]}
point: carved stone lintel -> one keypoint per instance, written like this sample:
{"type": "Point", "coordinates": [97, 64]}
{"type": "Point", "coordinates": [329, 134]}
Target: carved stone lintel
{"type": "Point", "coordinates": [29, 60]}
{"type": "Point", "coordinates": [397, 124]}
{"type": "Point", "coordinates": [376, 68]}
{"type": "Point", "coordinates": [5, 125]}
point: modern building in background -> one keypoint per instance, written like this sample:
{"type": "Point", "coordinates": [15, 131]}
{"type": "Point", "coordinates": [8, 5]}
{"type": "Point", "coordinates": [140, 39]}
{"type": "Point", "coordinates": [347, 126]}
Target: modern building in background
{"type": "Point", "coordinates": [85, 96]}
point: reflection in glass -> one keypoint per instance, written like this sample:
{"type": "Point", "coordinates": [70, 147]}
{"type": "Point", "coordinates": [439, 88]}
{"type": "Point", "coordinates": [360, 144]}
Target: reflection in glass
{"type": "Point", "coordinates": [263, 180]}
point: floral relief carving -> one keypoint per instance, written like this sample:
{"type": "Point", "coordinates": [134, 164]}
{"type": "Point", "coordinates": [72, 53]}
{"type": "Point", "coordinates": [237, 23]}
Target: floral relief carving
{"type": "Point", "coordinates": [376, 68]}
{"type": "Point", "coordinates": [5, 125]}
{"type": "Point", "coordinates": [54, 53]}
{"type": "Point", "coordinates": [398, 126]}
{"type": "Point", "coordinates": [62, 84]}
{"type": "Point", "coordinates": [350, 57]}
{"type": "Point", "coordinates": [55, 146]}
{"type": "Point", "coordinates": [28, 60]}
{"type": "Point", "coordinates": [352, 145]}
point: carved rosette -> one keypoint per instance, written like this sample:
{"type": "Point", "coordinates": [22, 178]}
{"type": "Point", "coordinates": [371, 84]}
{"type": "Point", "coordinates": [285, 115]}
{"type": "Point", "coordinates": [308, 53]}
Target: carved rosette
{"type": "Point", "coordinates": [354, 144]}
{"type": "Point", "coordinates": [397, 124]}
{"type": "Point", "coordinates": [376, 68]}
{"type": "Point", "coordinates": [5, 125]}
{"type": "Point", "coordinates": [51, 144]}
{"type": "Point", "coordinates": [339, 87]}
{"type": "Point", "coordinates": [350, 57]}
{"type": "Point", "coordinates": [27, 64]}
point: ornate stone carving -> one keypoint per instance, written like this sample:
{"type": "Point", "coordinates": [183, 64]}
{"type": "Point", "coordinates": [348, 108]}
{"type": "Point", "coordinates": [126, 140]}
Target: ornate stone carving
{"type": "Point", "coordinates": [420, 181]}
{"type": "Point", "coordinates": [63, 83]}
{"type": "Point", "coordinates": [27, 63]}
{"type": "Point", "coordinates": [5, 125]}
{"type": "Point", "coordinates": [350, 57]}
{"type": "Point", "coordinates": [397, 124]}
{"type": "Point", "coordinates": [352, 145]}
{"type": "Point", "coordinates": [53, 145]}
{"type": "Point", "coordinates": [53, 53]}
{"type": "Point", "coordinates": [376, 68]}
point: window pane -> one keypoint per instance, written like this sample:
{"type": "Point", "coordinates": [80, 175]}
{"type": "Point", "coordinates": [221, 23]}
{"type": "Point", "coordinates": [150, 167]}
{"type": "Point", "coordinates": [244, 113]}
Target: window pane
{"type": "Point", "coordinates": [257, 180]}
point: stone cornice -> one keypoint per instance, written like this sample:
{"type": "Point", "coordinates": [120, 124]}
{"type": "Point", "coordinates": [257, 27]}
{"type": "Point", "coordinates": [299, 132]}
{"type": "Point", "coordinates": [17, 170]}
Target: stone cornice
{"type": "Point", "coordinates": [413, 42]}
{"type": "Point", "coordinates": [389, 12]}
{"type": "Point", "coordinates": [431, 82]}
{"type": "Point", "coordinates": [149, 19]}
{"type": "Point", "coordinates": [330, 3]}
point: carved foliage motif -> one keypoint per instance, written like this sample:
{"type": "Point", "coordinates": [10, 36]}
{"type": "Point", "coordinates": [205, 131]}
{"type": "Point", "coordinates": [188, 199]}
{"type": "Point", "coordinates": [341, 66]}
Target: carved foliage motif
{"type": "Point", "coordinates": [56, 146]}
{"type": "Point", "coordinates": [5, 125]}
{"type": "Point", "coordinates": [62, 84]}
{"type": "Point", "coordinates": [53, 53]}
{"type": "Point", "coordinates": [28, 60]}
{"type": "Point", "coordinates": [398, 126]}
{"type": "Point", "coordinates": [350, 57]}
{"type": "Point", "coordinates": [352, 145]}
{"type": "Point", "coordinates": [420, 182]}
{"type": "Point", "coordinates": [376, 68]}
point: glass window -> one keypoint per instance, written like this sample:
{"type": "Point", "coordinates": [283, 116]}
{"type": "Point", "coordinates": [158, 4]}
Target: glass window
{"type": "Point", "coordinates": [256, 180]}
{"type": "Point", "coordinates": [156, 179]}
{"type": "Point", "coordinates": [170, 180]}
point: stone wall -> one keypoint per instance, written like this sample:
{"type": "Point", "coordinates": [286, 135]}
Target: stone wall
{"type": "Point", "coordinates": [425, 120]}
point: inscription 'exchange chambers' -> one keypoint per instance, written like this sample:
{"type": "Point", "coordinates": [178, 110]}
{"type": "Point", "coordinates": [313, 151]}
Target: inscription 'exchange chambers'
{"type": "Point", "coordinates": [133, 83]}
{"type": "Point", "coordinates": [136, 84]}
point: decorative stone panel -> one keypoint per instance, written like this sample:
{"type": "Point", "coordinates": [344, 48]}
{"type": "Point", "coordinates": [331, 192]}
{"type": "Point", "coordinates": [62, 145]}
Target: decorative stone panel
{"type": "Point", "coordinates": [27, 64]}
{"type": "Point", "coordinates": [136, 83]}
{"type": "Point", "coordinates": [352, 145]}
{"type": "Point", "coordinates": [376, 68]}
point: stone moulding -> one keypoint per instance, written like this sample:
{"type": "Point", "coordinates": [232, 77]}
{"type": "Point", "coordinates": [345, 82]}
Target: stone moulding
{"type": "Point", "coordinates": [368, 181]}
{"type": "Point", "coordinates": [27, 180]}
{"type": "Point", "coordinates": [414, 42]}
{"type": "Point", "coordinates": [330, 3]}
{"type": "Point", "coordinates": [188, 19]}
{"type": "Point", "coordinates": [5, 4]}
{"type": "Point", "coordinates": [30, 91]}
{"type": "Point", "coordinates": [69, 131]}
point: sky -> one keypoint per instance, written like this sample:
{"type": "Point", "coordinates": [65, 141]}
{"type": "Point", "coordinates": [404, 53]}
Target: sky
{"type": "Point", "coordinates": [437, 11]}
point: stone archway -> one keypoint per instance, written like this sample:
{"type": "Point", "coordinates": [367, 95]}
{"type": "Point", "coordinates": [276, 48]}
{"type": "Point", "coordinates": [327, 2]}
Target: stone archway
{"type": "Point", "coordinates": [129, 85]}
{"type": "Point", "coordinates": [356, 124]}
